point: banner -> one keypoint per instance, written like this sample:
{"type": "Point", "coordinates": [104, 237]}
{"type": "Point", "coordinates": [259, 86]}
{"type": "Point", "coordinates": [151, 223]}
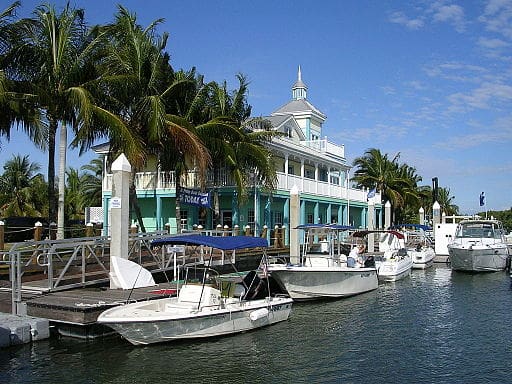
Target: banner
{"type": "Point", "coordinates": [195, 197]}
{"type": "Point", "coordinates": [482, 199]}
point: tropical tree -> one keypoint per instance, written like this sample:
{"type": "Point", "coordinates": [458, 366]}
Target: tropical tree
{"type": "Point", "coordinates": [19, 185]}
{"type": "Point", "coordinates": [139, 84]}
{"type": "Point", "coordinates": [375, 170]}
{"type": "Point", "coordinates": [91, 183]}
{"type": "Point", "coordinates": [238, 144]}
{"type": "Point", "coordinates": [397, 182]}
{"type": "Point", "coordinates": [446, 201]}
{"type": "Point", "coordinates": [15, 106]}
{"type": "Point", "coordinates": [54, 58]}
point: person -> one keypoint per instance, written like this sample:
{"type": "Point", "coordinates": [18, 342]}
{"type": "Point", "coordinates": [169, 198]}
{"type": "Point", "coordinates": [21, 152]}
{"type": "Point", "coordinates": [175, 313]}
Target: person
{"type": "Point", "coordinates": [354, 255]}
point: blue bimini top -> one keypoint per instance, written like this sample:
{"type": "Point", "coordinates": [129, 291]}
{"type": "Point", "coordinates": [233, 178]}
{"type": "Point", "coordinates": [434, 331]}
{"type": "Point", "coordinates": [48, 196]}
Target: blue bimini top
{"type": "Point", "coordinates": [220, 242]}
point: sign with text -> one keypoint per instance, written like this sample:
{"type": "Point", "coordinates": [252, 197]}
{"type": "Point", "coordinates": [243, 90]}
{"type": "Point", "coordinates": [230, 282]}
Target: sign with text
{"type": "Point", "coordinates": [195, 197]}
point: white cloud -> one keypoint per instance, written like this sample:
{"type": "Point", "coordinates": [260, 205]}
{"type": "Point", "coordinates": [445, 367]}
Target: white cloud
{"type": "Point", "coordinates": [452, 14]}
{"type": "Point", "coordinates": [402, 19]}
{"type": "Point", "coordinates": [483, 96]}
{"type": "Point", "coordinates": [492, 43]}
{"type": "Point", "coordinates": [497, 17]}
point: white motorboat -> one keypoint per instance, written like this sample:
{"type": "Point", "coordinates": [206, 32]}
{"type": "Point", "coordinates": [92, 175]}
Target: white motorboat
{"type": "Point", "coordinates": [395, 263]}
{"type": "Point", "coordinates": [478, 246]}
{"type": "Point", "coordinates": [322, 271]}
{"type": "Point", "coordinates": [211, 307]}
{"type": "Point", "coordinates": [419, 244]}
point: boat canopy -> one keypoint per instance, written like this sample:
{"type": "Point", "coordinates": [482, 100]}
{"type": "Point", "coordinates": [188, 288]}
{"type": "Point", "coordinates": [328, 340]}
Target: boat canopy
{"type": "Point", "coordinates": [415, 226]}
{"type": "Point", "coordinates": [364, 233]}
{"type": "Point", "coordinates": [220, 242]}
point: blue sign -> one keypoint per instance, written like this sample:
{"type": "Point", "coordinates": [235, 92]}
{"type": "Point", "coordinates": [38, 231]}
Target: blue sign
{"type": "Point", "coordinates": [195, 197]}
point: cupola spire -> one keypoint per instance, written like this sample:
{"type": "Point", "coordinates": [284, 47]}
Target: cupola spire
{"type": "Point", "coordinates": [299, 89]}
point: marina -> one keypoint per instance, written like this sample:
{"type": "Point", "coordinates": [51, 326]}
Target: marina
{"type": "Point", "coordinates": [436, 326]}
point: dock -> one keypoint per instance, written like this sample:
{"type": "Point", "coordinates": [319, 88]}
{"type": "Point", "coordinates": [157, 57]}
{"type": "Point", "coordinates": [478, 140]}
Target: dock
{"type": "Point", "coordinates": [65, 283]}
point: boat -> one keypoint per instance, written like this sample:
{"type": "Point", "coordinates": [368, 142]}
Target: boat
{"type": "Point", "coordinates": [479, 245]}
{"type": "Point", "coordinates": [393, 261]}
{"type": "Point", "coordinates": [205, 305]}
{"type": "Point", "coordinates": [419, 244]}
{"type": "Point", "coordinates": [322, 270]}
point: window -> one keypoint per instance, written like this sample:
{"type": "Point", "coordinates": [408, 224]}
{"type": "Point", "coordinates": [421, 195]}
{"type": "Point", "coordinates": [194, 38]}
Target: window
{"type": "Point", "coordinates": [310, 219]}
{"type": "Point", "coordinates": [184, 220]}
{"type": "Point", "coordinates": [278, 218]}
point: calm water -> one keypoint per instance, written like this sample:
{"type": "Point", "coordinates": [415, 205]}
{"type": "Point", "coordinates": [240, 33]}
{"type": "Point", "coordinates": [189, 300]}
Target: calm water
{"type": "Point", "coordinates": [436, 327]}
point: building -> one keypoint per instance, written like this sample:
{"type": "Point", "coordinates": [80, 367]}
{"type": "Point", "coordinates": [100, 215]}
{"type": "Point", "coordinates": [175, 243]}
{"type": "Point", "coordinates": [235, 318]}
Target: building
{"type": "Point", "coordinates": [304, 158]}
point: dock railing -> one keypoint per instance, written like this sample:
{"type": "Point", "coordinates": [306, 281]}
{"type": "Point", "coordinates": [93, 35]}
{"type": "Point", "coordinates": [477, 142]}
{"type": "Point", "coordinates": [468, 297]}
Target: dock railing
{"type": "Point", "coordinates": [76, 262]}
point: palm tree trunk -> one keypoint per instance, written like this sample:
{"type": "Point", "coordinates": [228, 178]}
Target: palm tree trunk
{"type": "Point", "coordinates": [62, 180]}
{"type": "Point", "coordinates": [52, 203]}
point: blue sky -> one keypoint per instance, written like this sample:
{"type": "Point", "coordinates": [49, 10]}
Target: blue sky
{"type": "Point", "coordinates": [430, 80]}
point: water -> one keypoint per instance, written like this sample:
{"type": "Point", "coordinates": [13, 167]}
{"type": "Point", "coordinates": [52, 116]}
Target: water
{"type": "Point", "coordinates": [436, 327]}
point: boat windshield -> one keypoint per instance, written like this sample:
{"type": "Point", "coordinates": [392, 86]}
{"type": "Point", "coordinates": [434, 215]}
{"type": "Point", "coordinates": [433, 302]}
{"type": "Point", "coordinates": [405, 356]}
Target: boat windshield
{"type": "Point", "coordinates": [478, 230]}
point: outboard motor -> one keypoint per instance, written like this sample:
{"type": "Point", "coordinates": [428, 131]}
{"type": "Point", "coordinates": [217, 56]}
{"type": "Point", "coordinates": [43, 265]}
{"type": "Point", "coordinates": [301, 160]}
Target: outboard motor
{"type": "Point", "coordinates": [255, 287]}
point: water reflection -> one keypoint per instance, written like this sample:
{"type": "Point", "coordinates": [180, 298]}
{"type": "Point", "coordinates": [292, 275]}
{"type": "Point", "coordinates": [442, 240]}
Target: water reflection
{"type": "Point", "coordinates": [436, 326]}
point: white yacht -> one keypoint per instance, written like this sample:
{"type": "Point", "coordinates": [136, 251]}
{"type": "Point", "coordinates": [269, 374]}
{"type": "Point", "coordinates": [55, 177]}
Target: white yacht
{"type": "Point", "coordinates": [322, 271]}
{"type": "Point", "coordinates": [204, 308]}
{"type": "Point", "coordinates": [478, 246]}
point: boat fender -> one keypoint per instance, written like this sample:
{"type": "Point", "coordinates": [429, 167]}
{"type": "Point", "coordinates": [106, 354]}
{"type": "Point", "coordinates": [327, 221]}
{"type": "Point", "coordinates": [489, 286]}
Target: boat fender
{"type": "Point", "coordinates": [258, 314]}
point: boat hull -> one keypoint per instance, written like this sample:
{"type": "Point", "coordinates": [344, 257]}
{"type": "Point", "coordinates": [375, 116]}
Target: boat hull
{"type": "Point", "coordinates": [422, 259]}
{"type": "Point", "coordinates": [309, 283]}
{"type": "Point", "coordinates": [478, 258]}
{"type": "Point", "coordinates": [142, 326]}
{"type": "Point", "coordinates": [394, 270]}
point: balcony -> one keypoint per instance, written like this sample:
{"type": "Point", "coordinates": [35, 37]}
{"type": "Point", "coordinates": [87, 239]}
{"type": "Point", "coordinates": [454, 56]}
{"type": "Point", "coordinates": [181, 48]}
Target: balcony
{"type": "Point", "coordinates": [166, 180]}
{"type": "Point", "coordinates": [325, 146]}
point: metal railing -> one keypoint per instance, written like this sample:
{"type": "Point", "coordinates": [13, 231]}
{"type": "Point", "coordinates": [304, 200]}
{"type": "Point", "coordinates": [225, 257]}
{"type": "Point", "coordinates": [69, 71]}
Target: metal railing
{"type": "Point", "coordinates": [75, 262]}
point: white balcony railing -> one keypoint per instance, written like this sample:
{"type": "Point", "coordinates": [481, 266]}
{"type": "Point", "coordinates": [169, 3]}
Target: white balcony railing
{"type": "Point", "coordinates": [166, 180]}
{"type": "Point", "coordinates": [325, 146]}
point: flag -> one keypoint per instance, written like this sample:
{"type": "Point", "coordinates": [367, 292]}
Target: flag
{"type": "Point", "coordinates": [371, 193]}
{"type": "Point", "coordinates": [482, 199]}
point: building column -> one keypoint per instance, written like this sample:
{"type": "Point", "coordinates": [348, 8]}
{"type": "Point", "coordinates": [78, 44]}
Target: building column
{"type": "Point", "coordinates": [302, 212]}
{"type": "Point", "coordinates": [286, 220]}
{"type": "Point", "coordinates": [316, 213]}
{"type": "Point", "coordinates": [329, 213]}
{"type": "Point", "coordinates": [286, 165]}
{"type": "Point", "coordinates": [302, 174]}
{"type": "Point", "coordinates": [158, 213]}
{"type": "Point", "coordinates": [316, 178]}
{"type": "Point", "coordinates": [340, 214]}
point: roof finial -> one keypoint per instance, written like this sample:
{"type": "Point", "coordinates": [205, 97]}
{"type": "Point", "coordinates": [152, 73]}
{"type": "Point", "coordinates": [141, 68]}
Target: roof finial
{"type": "Point", "coordinates": [299, 89]}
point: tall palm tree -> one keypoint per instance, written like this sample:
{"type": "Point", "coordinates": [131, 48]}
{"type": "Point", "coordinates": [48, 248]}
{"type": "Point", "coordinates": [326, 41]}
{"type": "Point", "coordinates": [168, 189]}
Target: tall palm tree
{"type": "Point", "coordinates": [17, 197]}
{"type": "Point", "coordinates": [446, 201]}
{"type": "Point", "coordinates": [237, 143]}
{"type": "Point", "coordinates": [375, 170]}
{"type": "Point", "coordinates": [15, 106]}
{"type": "Point", "coordinates": [54, 57]}
{"type": "Point", "coordinates": [140, 86]}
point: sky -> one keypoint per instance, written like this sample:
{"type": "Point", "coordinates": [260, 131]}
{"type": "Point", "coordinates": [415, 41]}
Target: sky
{"type": "Point", "coordinates": [428, 80]}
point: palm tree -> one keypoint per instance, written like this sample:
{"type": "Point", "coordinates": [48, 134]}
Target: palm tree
{"type": "Point", "coordinates": [446, 201]}
{"type": "Point", "coordinates": [52, 57]}
{"type": "Point", "coordinates": [375, 170]}
{"type": "Point", "coordinates": [15, 106]}
{"type": "Point", "coordinates": [140, 86]}
{"type": "Point", "coordinates": [91, 186]}
{"type": "Point", "coordinates": [237, 143]}
{"type": "Point", "coordinates": [17, 187]}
